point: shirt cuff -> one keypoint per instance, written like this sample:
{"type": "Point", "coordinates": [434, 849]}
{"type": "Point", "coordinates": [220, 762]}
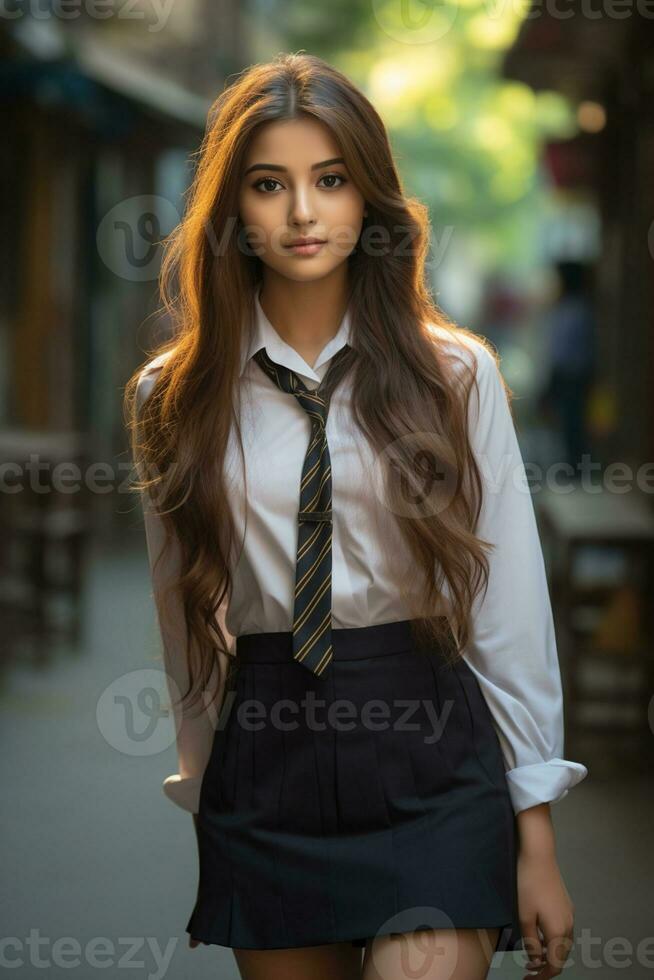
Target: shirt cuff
{"type": "Point", "coordinates": [184, 791]}
{"type": "Point", "coordinates": [543, 782]}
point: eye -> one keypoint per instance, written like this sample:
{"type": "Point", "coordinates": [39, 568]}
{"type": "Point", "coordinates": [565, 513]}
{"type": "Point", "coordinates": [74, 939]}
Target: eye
{"type": "Point", "coordinates": [331, 177]}
{"type": "Point", "coordinates": [265, 180]}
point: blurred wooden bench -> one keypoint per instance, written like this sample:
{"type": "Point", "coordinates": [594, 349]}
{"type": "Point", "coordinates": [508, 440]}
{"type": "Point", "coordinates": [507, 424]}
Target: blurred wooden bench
{"type": "Point", "coordinates": [599, 549]}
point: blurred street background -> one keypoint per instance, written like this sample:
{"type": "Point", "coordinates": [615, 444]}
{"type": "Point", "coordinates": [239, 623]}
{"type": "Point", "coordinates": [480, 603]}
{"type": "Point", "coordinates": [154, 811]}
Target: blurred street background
{"type": "Point", "coordinates": [529, 131]}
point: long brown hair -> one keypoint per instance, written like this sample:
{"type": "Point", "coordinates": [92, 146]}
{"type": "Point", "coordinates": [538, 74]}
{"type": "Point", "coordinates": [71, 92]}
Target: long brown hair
{"type": "Point", "coordinates": [406, 380]}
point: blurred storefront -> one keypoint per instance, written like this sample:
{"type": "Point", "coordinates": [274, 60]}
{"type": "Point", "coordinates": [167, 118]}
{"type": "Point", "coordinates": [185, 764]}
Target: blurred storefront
{"type": "Point", "coordinates": [603, 61]}
{"type": "Point", "coordinates": [601, 543]}
{"type": "Point", "coordinates": [102, 110]}
{"type": "Point", "coordinates": [99, 119]}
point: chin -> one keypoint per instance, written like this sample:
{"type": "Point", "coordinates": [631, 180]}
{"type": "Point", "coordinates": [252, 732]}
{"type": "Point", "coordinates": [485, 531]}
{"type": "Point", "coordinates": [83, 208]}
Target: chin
{"type": "Point", "coordinates": [306, 271]}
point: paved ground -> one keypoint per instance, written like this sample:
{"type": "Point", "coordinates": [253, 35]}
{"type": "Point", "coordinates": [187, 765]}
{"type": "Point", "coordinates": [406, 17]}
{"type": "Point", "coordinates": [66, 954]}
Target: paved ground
{"type": "Point", "coordinates": [94, 851]}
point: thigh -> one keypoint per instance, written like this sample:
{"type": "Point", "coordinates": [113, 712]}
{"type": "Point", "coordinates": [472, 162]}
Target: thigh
{"type": "Point", "coordinates": [334, 961]}
{"type": "Point", "coordinates": [431, 954]}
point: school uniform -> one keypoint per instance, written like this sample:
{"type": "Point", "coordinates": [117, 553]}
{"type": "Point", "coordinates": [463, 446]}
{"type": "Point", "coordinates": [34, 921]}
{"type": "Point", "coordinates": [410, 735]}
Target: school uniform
{"type": "Point", "coordinates": [355, 820]}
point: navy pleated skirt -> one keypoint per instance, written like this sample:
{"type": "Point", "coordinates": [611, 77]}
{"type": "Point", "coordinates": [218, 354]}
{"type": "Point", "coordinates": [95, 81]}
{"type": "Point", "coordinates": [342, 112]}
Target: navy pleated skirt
{"type": "Point", "coordinates": [371, 800]}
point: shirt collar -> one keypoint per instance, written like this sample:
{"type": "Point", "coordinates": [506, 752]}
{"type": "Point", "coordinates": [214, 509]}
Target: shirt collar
{"type": "Point", "coordinates": [265, 335]}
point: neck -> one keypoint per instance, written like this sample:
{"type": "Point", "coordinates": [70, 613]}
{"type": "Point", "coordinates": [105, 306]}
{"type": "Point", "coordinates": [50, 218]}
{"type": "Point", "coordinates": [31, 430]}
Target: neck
{"type": "Point", "coordinates": [306, 315]}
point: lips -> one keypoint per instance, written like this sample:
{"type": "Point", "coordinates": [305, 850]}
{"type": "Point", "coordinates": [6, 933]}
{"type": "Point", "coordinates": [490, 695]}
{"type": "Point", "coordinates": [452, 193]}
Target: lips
{"type": "Point", "coordinates": [306, 241]}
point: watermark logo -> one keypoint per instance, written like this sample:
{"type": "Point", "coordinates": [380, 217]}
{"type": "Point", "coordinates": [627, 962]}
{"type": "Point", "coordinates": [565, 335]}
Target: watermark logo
{"type": "Point", "coordinates": [130, 712]}
{"type": "Point", "coordinates": [415, 21]}
{"type": "Point", "coordinates": [130, 234]}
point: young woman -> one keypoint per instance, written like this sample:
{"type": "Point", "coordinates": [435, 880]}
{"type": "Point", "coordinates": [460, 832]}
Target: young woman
{"type": "Point", "coordinates": [355, 617]}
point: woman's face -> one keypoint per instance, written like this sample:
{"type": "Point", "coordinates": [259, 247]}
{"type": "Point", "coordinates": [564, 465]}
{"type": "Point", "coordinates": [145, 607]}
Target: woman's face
{"type": "Point", "coordinates": [295, 185]}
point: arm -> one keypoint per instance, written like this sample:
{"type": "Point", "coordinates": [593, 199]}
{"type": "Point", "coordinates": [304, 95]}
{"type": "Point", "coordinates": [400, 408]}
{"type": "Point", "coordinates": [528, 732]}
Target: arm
{"type": "Point", "coordinates": [194, 726]}
{"type": "Point", "coordinates": [512, 649]}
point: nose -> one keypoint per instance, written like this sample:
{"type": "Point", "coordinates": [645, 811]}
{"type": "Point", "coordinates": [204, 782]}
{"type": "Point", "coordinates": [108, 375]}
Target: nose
{"type": "Point", "coordinates": [302, 210]}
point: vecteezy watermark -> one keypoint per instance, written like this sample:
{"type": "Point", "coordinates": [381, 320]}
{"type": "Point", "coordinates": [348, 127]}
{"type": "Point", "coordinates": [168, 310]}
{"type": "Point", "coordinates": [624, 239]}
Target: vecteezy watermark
{"type": "Point", "coordinates": [130, 234]}
{"type": "Point", "coordinates": [420, 947]}
{"type": "Point", "coordinates": [432, 485]}
{"type": "Point", "coordinates": [99, 953]}
{"type": "Point", "coordinates": [64, 477]}
{"type": "Point", "coordinates": [133, 713]}
{"type": "Point", "coordinates": [592, 10]}
{"type": "Point", "coordinates": [343, 715]}
{"type": "Point", "coordinates": [426, 21]}
{"type": "Point", "coordinates": [153, 13]}
{"type": "Point", "coordinates": [431, 489]}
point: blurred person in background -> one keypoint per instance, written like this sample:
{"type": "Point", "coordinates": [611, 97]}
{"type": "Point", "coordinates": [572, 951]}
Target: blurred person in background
{"type": "Point", "coordinates": [570, 324]}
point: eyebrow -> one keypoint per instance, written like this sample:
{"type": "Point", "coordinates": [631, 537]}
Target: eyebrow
{"type": "Point", "coordinates": [276, 166]}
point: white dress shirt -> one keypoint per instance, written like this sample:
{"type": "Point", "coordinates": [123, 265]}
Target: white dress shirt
{"type": "Point", "coordinates": [512, 649]}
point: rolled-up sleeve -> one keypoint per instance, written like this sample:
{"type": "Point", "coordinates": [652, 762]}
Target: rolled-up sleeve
{"type": "Point", "coordinates": [512, 647]}
{"type": "Point", "coordinates": [194, 725]}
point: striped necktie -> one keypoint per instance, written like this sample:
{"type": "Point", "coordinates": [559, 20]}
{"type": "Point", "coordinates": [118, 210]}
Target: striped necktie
{"type": "Point", "coordinates": [312, 613]}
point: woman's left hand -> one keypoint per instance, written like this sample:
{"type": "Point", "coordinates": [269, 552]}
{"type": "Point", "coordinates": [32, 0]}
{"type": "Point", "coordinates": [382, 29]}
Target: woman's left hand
{"type": "Point", "coordinates": [546, 914]}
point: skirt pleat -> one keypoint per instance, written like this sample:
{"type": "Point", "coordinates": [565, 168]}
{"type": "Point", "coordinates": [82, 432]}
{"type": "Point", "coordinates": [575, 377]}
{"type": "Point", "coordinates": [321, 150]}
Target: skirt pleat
{"type": "Point", "coordinates": [367, 801]}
